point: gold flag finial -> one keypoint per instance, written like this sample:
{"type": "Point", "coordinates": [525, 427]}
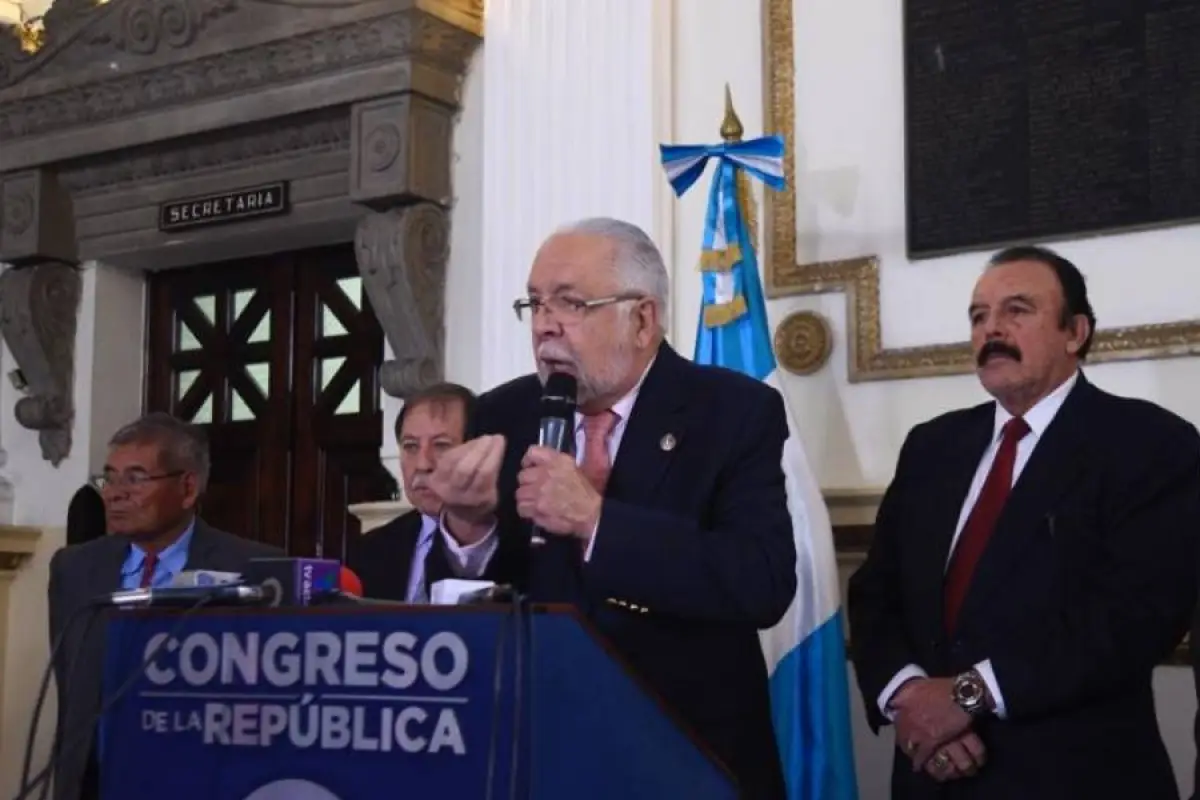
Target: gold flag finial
{"type": "Point", "coordinates": [731, 127]}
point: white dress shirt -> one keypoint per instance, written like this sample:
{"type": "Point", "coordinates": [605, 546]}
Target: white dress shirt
{"type": "Point", "coordinates": [1038, 418]}
{"type": "Point", "coordinates": [471, 561]}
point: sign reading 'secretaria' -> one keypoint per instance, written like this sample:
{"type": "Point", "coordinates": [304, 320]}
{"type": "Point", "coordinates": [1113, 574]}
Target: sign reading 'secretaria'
{"type": "Point", "coordinates": [335, 691]}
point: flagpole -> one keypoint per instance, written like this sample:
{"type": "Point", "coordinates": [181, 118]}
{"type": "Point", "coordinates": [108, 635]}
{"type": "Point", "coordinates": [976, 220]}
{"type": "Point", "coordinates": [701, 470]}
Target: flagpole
{"type": "Point", "coordinates": [733, 131]}
{"type": "Point", "coordinates": [805, 650]}
{"type": "Point", "coordinates": [731, 126]}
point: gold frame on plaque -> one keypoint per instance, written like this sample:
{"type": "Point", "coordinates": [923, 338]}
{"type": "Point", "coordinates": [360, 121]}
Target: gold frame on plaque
{"type": "Point", "coordinates": [858, 278]}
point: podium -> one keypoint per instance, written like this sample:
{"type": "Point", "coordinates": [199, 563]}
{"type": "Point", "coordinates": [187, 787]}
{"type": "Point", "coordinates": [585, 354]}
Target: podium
{"type": "Point", "coordinates": [366, 702]}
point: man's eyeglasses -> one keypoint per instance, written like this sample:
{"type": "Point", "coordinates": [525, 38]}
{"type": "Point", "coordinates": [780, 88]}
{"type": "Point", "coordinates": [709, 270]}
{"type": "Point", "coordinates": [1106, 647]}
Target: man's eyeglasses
{"type": "Point", "coordinates": [567, 309]}
{"type": "Point", "coordinates": [130, 480]}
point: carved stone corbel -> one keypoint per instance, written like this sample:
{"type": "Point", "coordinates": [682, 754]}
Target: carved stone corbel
{"type": "Point", "coordinates": [400, 169]}
{"type": "Point", "coordinates": [39, 303]}
{"type": "Point", "coordinates": [39, 309]}
{"type": "Point", "coordinates": [402, 257]}
{"type": "Point", "coordinates": [37, 221]}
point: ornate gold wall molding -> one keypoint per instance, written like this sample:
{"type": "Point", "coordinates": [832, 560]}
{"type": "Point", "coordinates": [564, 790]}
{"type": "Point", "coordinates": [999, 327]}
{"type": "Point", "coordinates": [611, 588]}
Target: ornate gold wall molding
{"type": "Point", "coordinates": [803, 342]}
{"type": "Point", "coordinates": [858, 278]}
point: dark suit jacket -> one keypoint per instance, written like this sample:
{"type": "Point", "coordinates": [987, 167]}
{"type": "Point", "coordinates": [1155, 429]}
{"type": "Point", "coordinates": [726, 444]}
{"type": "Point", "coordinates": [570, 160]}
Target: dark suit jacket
{"type": "Point", "coordinates": [694, 553]}
{"type": "Point", "coordinates": [81, 572]}
{"type": "Point", "coordinates": [1086, 584]}
{"type": "Point", "coordinates": [382, 558]}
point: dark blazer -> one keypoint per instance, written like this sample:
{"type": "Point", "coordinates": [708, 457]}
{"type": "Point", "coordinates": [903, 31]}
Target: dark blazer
{"type": "Point", "coordinates": [694, 553]}
{"type": "Point", "coordinates": [81, 572]}
{"type": "Point", "coordinates": [1087, 583]}
{"type": "Point", "coordinates": [382, 558]}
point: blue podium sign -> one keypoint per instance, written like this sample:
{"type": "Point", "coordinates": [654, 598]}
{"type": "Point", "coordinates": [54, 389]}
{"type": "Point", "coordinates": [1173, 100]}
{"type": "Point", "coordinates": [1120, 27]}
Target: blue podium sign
{"type": "Point", "coordinates": [354, 704]}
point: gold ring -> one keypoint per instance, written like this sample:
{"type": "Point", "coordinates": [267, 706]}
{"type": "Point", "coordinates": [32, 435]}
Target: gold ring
{"type": "Point", "coordinates": [941, 760]}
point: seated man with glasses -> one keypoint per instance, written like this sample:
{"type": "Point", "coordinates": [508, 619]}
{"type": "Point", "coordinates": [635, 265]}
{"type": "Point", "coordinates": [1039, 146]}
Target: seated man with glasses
{"type": "Point", "coordinates": [155, 474]}
{"type": "Point", "coordinates": [668, 527]}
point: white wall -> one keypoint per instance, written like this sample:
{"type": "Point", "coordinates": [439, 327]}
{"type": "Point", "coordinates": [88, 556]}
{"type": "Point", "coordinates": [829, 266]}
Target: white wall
{"type": "Point", "coordinates": [549, 133]}
{"type": "Point", "coordinates": [849, 145]}
{"type": "Point", "coordinates": [108, 381]}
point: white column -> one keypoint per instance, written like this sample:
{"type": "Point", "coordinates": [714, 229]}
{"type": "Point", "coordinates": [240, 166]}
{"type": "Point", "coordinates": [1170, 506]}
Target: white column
{"type": "Point", "coordinates": [577, 100]}
{"type": "Point", "coordinates": [563, 111]}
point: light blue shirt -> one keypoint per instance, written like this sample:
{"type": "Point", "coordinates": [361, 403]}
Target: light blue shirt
{"type": "Point", "coordinates": [171, 562]}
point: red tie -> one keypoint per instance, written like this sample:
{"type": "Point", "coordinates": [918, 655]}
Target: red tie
{"type": "Point", "coordinates": [982, 520]}
{"type": "Point", "coordinates": [149, 562]}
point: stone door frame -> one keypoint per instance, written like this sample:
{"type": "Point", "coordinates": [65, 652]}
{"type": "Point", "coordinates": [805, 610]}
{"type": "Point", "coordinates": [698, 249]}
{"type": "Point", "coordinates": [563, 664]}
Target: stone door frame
{"type": "Point", "coordinates": [135, 103]}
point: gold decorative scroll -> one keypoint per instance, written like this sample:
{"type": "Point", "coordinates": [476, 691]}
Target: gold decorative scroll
{"type": "Point", "coordinates": [858, 278]}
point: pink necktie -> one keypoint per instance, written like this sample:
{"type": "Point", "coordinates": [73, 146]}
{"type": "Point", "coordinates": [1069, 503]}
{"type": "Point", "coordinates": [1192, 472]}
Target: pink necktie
{"type": "Point", "coordinates": [596, 464]}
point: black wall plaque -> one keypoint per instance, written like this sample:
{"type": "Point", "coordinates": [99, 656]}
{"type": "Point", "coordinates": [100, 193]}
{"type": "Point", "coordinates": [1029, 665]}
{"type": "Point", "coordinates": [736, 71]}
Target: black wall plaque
{"type": "Point", "coordinates": [1035, 119]}
{"type": "Point", "coordinates": [215, 209]}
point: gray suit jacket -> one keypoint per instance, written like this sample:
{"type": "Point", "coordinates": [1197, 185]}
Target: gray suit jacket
{"type": "Point", "coordinates": [78, 574]}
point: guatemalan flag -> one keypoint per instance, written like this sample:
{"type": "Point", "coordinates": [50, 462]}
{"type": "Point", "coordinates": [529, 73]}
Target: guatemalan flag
{"type": "Point", "coordinates": [805, 652]}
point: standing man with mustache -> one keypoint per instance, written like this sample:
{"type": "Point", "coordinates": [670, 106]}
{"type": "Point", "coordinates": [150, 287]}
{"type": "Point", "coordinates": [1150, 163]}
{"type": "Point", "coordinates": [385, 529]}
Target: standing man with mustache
{"type": "Point", "coordinates": [1033, 559]}
{"type": "Point", "coordinates": [669, 528]}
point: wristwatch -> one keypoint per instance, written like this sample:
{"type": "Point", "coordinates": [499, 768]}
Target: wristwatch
{"type": "Point", "coordinates": [970, 692]}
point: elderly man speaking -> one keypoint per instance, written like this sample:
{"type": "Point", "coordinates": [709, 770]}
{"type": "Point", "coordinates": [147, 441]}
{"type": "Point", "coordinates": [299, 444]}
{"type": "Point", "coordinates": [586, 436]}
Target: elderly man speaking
{"type": "Point", "coordinates": [669, 528]}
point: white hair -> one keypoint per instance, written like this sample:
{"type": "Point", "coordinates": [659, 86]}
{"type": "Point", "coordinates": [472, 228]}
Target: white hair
{"type": "Point", "coordinates": [638, 260]}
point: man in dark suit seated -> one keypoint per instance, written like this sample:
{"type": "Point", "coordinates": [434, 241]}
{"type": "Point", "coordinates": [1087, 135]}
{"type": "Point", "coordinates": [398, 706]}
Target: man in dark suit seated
{"type": "Point", "coordinates": [392, 560]}
{"type": "Point", "coordinates": [669, 527]}
{"type": "Point", "coordinates": [1034, 558]}
{"type": "Point", "coordinates": [155, 474]}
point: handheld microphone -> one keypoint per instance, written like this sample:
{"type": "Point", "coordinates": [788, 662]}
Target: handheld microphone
{"type": "Point", "coordinates": [556, 429]}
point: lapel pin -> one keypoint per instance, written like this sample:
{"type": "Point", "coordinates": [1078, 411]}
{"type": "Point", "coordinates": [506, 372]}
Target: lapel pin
{"type": "Point", "coordinates": [667, 443]}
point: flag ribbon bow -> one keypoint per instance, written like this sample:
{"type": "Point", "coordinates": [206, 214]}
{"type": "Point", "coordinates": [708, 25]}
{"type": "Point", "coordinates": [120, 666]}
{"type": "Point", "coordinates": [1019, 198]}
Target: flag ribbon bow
{"type": "Point", "coordinates": [727, 242]}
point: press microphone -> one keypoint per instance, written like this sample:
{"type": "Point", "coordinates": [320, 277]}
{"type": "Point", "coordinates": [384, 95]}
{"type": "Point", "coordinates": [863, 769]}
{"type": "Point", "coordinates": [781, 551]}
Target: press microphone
{"type": "Point", "coordinates": [204, 577]}
{"type": "Point", "coordinates": [556, 429]}
{"type": "Point", "coordinates": [349, 590]}
{"type": "Point", "coordinates": [350, 593]}
{"type": "Point", "coordinates": [488, 594]}
{"type": "Point", "coordinates": [294, 581]}
{"type": "Point", "coordinates": [187, 596]}
{"type": "Point", "coordinates": [349, 583]}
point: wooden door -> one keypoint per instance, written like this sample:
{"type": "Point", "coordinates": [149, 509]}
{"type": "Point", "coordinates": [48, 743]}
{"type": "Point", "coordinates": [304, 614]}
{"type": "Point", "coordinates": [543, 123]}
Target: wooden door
{"type": "Point", "coordinates": [277, 358]}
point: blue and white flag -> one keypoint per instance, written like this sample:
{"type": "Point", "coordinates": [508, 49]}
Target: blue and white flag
{"type": "Point", "coordinates": [805, 652]}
